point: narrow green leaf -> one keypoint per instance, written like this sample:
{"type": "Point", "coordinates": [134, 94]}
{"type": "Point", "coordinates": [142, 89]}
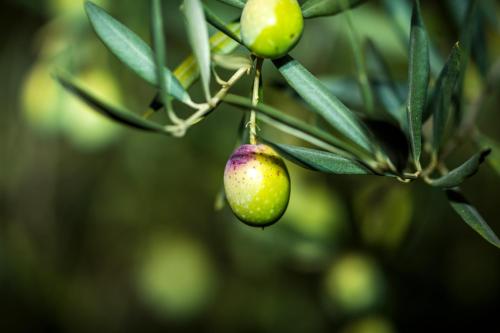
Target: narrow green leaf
{"type": "Point", "coordinates": [419, 79]}
{"type": "Point", "coordinates": [320, 160]}
{"type": "Point", "coordinates": [198, 38]}
{"type": "Point", "coordinates": [472, 24]}
{"type": "Point", "coordinates": [390, 102]}
{"type": "Point", "coordinates": [188, 71]}
{"type": "Point", "coordinates": [282, 117]}
{"type": "Point", "coordinates": [489, 10]}
{"type": "Point", "coordinates": [318, 8]}
{"type": "Point", "coordinates": [159, 48]}
{"type": "Point", "coordinates": [457, 176]}
{"type": "Point", "coordinates": [217, 23]}
{"type": "Point", "coordinates": [383, 83]}
{"type": "Point", "coordinates": [235, 3]}
{"type": "Point", "coordinates": [345, 88]}
{"type": "Point", "coordinates": [119, 115]}
{"type": "Point", "coordinates": [471, 216]}
{"type": "Point", "coordinates": [359, 59]}
{"type": "Point", "coordinates": [347, 91]}
{"type": "Point", "coordinates": [440, 102]}
{"type": "Point", "coordinates": [400, 12]}
{"type": "Point", "coordinates": [480, 46]}
{"type": "Point", "coordinates": [316, 94]}
{"type": "Point", "coordinates": [494, 159]}
{"type": "Point", "coordinates": [131, 49]}
{"type": "Point", "coordinates": [299, 134]}
{"type": "Point", "coordinates": [466, 40]}
{"type": "Point", "coordinates": [447, 70]}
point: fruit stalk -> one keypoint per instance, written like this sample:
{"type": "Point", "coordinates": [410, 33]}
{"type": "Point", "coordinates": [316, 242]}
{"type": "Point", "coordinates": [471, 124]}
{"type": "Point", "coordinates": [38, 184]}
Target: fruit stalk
{"type": "Point", "coordinates": [255, 100]}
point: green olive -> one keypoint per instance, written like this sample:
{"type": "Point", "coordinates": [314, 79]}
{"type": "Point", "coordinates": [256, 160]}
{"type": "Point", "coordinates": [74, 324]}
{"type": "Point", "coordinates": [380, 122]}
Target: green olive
{"type": "Point", "coordinates": [354, 283]}
{"type": "Point", "coordinates": [257, 185]}
{"type": "Point", "coordinates": [271, 28]}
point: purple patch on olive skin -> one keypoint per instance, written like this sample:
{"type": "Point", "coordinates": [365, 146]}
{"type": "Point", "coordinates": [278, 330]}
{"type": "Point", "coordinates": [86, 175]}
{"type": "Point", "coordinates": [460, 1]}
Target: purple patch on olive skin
{"type": "Point", "coordinates": [242, 156]}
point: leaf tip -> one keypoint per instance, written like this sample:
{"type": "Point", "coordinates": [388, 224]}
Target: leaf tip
{"type": "Point", "coordinates": [416, 17]}
{"type": "Point", "coordinates": [484, 154]}
{"type": "Point", "coordinates": [89, 5]}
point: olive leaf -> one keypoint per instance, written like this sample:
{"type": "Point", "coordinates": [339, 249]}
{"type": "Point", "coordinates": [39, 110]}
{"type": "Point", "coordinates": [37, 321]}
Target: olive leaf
{"type": "Point", "coordinates": [476, 25]}
{"type": "Point", "coordinates": [457, 176]}
{"type": "Point", "coordinates": [466, 39]}
{"type": "Point", "coordinates": [283, 118]}
{"type": "Point", "coordinates": [440, 101]}
{"type": "Point", "coordinates": [471, 216]}
{"type": "Point", "coordinates": [318, 8]}
{"type": "Point", "coordinates": [345, 88]}
{"type": "Point", "coordinates": [494, 158]}
{"type": "Point", "coordinates": [131, 50]}
{"type": "Point", "coordinates": [401, 13]}
{"type": "Point", "coordinates": [490, 14]}
{"type": "Point", "coordinates": [359, 59]}
{"type": "Point", "coordinates": [322, 161]}
{"type": "Point", "coordinates": [159, 48]}
{"type": "Point", "coordinates": [480, 50]}
{"type": "Point", "coordinates": [317, 95]}
{"type": "Point", "coordinates": [122, 116]}
{"type": "Point", "coordinates": [188, 71]}
{"type": "Point", "coordinates": [198, 37]}
{"type": "Point", "coordinates": [418, 74]}
{"type": "Point", "coordinates": [384, 86]}
{"type": "Point", "coordinates": [235, 3]}
{"type": "Point", "coordinates": [217, 23]}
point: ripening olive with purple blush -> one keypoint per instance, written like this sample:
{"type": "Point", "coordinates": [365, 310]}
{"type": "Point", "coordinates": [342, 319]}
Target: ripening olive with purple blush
{"type": "Point", "coordinates": [257, 185]}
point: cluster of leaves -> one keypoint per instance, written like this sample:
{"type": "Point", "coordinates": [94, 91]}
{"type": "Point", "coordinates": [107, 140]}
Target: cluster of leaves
{"type": "Point", "coordinates": [389, 143]}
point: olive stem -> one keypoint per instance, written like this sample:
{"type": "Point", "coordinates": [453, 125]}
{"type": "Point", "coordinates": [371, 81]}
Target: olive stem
{"type": "Point", "coordinates": [215, 101]}
{"type": "Point", "coordinates": [202, 110]}
{"type": "Point", "coordinates": [431, 167]}
{"type": "Point", "coordinates": [255, 100]}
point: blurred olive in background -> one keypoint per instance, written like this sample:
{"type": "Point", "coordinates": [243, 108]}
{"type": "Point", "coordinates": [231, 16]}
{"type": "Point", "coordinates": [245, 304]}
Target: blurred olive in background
{"type": "Point", "coordinates": [65, 7]}
{"type": "Point", "coordinates": [353, 284]}
{"type": "Point", "coordinates": [384, 212]}
{"type": "Point", "coordinates": [176, 277]}
{"type": "Point", "coordinates": [84, 127]}
{"type": "Point", "coordinates": [47, 108]}
{"type": "Point", "coordinates": [316, 222]}
{"type": "Point", "coordinates": [104, 228]}
{"type": "Point", "coordinates": [370, 324]}
{"type": "Point", "coordinates": [41, 97]}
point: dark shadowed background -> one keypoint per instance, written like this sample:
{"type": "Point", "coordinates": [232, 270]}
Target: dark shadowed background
{"type": "Point", "coordinates": [104, 228]}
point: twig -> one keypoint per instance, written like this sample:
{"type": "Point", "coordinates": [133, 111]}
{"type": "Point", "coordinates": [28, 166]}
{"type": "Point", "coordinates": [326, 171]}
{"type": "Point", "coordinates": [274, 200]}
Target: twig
{"type": "Point", "coordinates": [204, 109]}
{"type": "Point", "coordinates": [255, 100]}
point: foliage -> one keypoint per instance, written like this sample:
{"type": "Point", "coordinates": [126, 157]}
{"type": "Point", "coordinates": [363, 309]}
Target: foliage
{"type": "Point", "coordinates": [351, 144]}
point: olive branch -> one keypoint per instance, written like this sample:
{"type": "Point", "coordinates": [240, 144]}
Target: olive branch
{"type": "Point", "coordinates": [391, 142]}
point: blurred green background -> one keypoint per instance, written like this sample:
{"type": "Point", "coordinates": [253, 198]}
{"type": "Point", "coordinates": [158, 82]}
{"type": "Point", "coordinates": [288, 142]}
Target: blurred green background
{"type": "Point", "coordinates": [103, 228]}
